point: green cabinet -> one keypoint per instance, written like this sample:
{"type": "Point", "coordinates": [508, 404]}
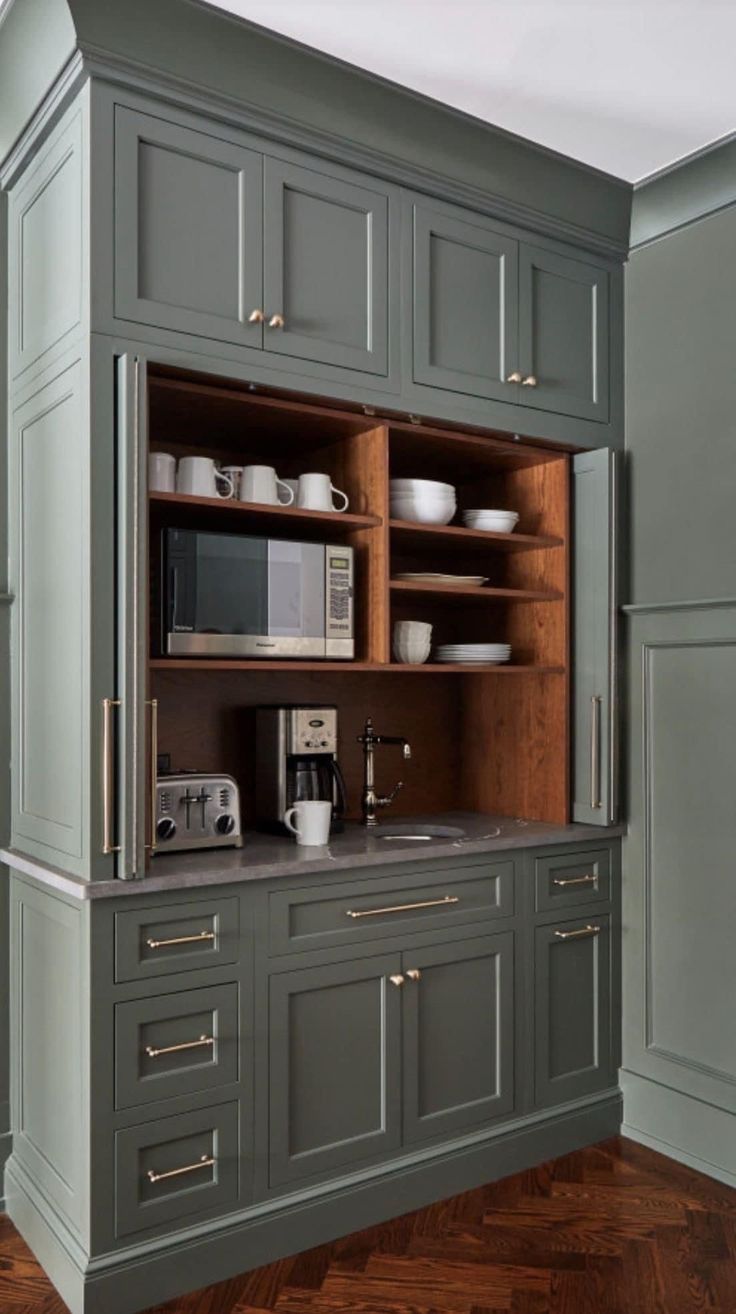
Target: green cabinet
{"type": "Point", "coordinates": [573, 1032]}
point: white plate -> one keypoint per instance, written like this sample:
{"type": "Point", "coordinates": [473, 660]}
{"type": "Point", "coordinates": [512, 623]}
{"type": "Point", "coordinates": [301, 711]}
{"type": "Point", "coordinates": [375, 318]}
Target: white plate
{"type": "Point", "coordinates": [435, 577]}
{"type": "Point", "coordinates": [472, 661]}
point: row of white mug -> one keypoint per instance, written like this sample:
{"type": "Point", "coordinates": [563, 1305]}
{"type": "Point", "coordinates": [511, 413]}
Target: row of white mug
{"type": "Point", "coordinates": [200, 476]}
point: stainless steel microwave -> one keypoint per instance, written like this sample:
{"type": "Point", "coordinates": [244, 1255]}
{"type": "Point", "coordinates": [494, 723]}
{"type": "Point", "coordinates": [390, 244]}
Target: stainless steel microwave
{"type": "Point", "coordinates": [232, 595]}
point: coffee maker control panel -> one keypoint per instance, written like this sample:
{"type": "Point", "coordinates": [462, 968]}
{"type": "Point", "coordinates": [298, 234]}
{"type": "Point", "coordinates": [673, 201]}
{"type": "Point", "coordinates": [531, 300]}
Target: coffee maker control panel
{"type": "Point", "coordinates": [312, 730]}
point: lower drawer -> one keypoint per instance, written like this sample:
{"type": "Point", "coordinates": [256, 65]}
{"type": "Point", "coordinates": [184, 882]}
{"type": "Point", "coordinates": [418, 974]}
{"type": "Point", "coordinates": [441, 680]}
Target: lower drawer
{"type": "Point", "coordinates": [175, 1044]}
{"type": "Point", "coordinates": [176, 1167]}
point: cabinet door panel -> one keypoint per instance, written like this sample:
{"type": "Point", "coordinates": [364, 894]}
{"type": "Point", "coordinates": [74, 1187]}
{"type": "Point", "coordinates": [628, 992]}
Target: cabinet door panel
{"type": "Point", "coordinates": [326, 268]}
{"type": "Point", "coordinates": [563, 334]}
{"type": "Point", "coordinates": [188, 230]}
{"type": "Point", "coordinates": [334, 1066]}
{"type": "Point", "coordinates": [572, 1009]}
{"type": "Point", "coordinates": [465, 304]}
{"type": "Point", "coordinates": [458, 1036]}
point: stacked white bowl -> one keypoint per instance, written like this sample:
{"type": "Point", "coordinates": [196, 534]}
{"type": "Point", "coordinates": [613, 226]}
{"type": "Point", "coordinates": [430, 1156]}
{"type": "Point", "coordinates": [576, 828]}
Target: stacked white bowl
{"type": "Point", "coordinates": [497, 522]}
{"type": "Point", "coordinates": [412, 642]}
{"type": "Point", "coordinates": [427, 501]}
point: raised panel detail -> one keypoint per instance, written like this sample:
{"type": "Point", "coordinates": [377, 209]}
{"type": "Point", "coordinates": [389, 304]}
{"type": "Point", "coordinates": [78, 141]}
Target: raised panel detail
{"type": "Point", "coordinates": [572, 1008]}
{"type": "Point", "coordinates": [563, 334]}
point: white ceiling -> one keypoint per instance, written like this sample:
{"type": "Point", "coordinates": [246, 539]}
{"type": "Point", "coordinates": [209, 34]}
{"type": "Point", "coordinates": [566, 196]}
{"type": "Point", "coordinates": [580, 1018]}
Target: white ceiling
{"type": "Point", "coordinates": [628, 86]}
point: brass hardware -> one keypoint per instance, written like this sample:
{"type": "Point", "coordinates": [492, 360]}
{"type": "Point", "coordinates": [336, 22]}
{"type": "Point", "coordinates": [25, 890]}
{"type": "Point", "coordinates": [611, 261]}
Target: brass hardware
{"type": "Point", "coordinates": [181, 939]}
{"type": "Point", "coordinates": [205, 1162]}
{"type": "Point", "coordinates": [515, 377]}
{"type": "Point", "coordinates": [153, 704]}
{"type": "Point", "coordinates": [397, 979]}
{"type": "Point", "coordinates": [107, 776]}
{"type": "Point", "coordinates": [562, 881]}
{"type": "Point", "coordinates": [577, 935]}
{"type": "Point", "coordinates": [414, 974]}
{"type": "Point", "coordinates": [371, 800]}
{"type": "Point", "coordinates": [529, 382]}
{"type": "Point", "coordinates": [595, 749]}
{"type": "Point", "coordinates": [256, 316]}
{"type": "Point", "coordinates": [405, 907]}
{"type": "Point", "coordinates": [415, 419]}
{"type": "Point", "coordinates": [152, 1052]}
{"type": "Point", "coordinates": [276, 321]}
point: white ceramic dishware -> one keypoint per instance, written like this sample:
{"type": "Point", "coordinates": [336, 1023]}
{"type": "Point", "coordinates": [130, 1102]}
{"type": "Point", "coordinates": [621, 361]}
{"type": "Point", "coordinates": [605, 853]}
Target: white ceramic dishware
{"type": "Point", "coordinates": [161, 472]}
{"type": "Point", "coordinates": [427, 487]}
{"type": "Point", "coordinates": [312, 825]}
{"type": "Point", "coordinates": [234, 473]}
{"type": "Point", "coordinates": [412, 642]}
{"type": "Point", "coordinates": [293, 486]}
{"type": "Point", "coordinates": [435, 577]}
{"type": "Point", "coordinates": [260, 483]}
{"type": "Point", "coordinates": [317, 492]}
{"type": "Point", "coordinates": [497, 522]}
{"type": "Point", "coordinates": [198, 476]}
{"type": "Point", "coordinates": [421, 509]}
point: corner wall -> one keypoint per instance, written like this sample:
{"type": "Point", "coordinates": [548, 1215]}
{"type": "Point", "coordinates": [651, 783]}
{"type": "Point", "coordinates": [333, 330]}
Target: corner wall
{"type": "Point", "coordinates": [4, 711]}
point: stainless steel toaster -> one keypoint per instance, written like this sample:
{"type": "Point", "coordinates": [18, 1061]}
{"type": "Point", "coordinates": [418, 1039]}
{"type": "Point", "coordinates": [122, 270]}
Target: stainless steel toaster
{"type": "Point", "coordinates": [197, 811]}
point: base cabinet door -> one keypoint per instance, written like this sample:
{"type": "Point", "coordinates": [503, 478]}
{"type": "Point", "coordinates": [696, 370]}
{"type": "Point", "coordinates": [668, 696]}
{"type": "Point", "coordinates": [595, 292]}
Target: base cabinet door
{"type": "Point", "coordinates": [572, 1009]}
{"type": "Point", "coordinates": [334, 1071]}
{"type": "Point", "coordinates": [458, 1035]}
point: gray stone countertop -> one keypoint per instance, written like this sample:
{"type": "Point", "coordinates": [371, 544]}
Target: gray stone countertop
{"type": "Point", "coordinates": [264, 857]}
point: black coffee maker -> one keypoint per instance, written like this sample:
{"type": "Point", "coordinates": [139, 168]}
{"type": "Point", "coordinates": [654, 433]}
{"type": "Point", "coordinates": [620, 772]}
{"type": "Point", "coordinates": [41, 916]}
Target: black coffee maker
{"type": "Point", "coordinates": [296, 760]}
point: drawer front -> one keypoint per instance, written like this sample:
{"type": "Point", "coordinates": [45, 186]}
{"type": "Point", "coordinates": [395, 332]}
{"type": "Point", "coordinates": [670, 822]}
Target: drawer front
{"type": "Point", "coordinates": [315, 918]}
{"type": "Point", "coordinates": [175, 1167]}
{"type": "Point", "coordinates": [181, 938]}
{"type": "Point", "coordinates": [563, 880]}
{"type": "Point", "coordinates": [175, 1044]}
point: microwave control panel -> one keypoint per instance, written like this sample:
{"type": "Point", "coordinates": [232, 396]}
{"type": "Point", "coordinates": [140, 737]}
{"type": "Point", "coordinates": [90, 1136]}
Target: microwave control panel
{"type": "Point", "coordinates": [339, 589]}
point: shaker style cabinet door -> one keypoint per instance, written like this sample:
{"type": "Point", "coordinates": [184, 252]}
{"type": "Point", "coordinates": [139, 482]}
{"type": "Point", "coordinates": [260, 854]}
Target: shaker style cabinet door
{"type": "Point", "coordinates": [563, 334]}
{"type": "Point", "coordinates": [465, 300]}
{"type": "Point", "coordinates": [334, 1071]}
{"type": "Point", "coordinates": [458, 1035]}
{"type": "Point", "coordinates": [326, 293]}
{"type": "Point", "coordinates": [594, 657]}
{"type": "Point", "coordinates": [188, 230]}
{"type": "Point", "coordinates": [572, 1009]}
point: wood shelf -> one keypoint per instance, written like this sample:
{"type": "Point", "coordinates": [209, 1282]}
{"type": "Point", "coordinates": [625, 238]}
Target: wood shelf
{"type": "Point", "coordinates": [266, 666]}
{"type": "Point", "coordinates": [474, 593]}
{"type": "Point", "coordinates": [266, 515]}
{"type": "Point", "coordinates": [456, 537]}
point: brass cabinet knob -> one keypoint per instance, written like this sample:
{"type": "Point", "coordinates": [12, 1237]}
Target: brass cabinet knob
{"type": "Point", "coordinates": [256, 316]}
{"type": "Point", "coordinates": [516, 377]}
{"type": "Point", "coordinates": [529, 381]}
{"type": "Point", "coordinates": [276, 321]}
{"type": "Point", "coordinates": [414, 974]}
{"type": "Point", "coordinates": [397, 979]}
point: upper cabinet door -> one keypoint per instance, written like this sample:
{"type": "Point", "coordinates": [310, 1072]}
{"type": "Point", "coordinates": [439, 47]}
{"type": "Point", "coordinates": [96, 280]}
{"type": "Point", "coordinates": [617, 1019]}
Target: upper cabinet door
{"type": "Point", "coordinates": [326, 292]}
{"type": "Point", "coordinates": [595, 712]}
{"type": "Point", "coordinates": [563, 334]}
{"type": "Point", "coordinates": [188, 230]}
{"type": "Point", "coordinates": [464, 304]}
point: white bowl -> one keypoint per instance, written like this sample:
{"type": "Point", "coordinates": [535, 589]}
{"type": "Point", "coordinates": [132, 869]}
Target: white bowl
{"type": "Point", "coordinates": [423, 513]}
{"type": "Point", "coordinates": [413, 629]}
{"type": "Point", "coordinates": [412, 654]}
{"type": "Point", "coordinates": [499, 522]}
{"type": "Point", "coordinates": [432, 486]}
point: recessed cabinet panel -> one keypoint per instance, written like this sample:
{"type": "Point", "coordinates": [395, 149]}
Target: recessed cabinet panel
{"type": "Point", "coordinates": [325, 269]}
{"type": "Point", "coordinates": [334, 1069]}
{"type": "Point", "coordinates": [572, 1009]}
{"type": "Point", "coordinates": [458, 1038]}
{"type": "Point", "coordinates": [175, 1044]}
{"type": "Point", "coordinates": [563, 334]}
{"type": "Point", "coordinates": [157, 941]}
{"type": "Point", "coordinates": [565, 879]}
{"type": "Point", "coordinates": [188, 230]}
{"type": "Point", "coordinates": [465, 304]}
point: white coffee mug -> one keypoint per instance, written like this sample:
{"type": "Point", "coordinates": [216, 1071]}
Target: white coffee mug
{"type": "Point", "coordinates": [198, 476]}
{"type": "Point", "coordinates": [312, 821]}
{"type": "Point", "coordinates": [316, 494]}
{"type": "Point", "coordinates": [161, 472]}
{"type": "Point", "coordinates": [234, 474]}
{"type": "Point", "coordinates": [260, 483]}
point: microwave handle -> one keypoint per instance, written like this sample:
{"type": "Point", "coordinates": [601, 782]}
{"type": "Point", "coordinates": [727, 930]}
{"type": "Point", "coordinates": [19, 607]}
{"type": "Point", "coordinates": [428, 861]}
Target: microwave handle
{"type": "Point", "coordinates": [341, 806]}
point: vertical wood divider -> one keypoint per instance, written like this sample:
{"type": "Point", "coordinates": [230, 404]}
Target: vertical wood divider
{"type": "Point", "coordinates": [365, 465]}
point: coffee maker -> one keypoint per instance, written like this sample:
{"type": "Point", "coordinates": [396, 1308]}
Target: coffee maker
{"type": "Point", "coordinates": [296, 760]}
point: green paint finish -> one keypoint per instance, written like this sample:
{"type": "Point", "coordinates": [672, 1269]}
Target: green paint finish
{"type": "Point", "coordinates": [45, 27]}
{"type": "Point", "coordinates": [564, 880]}
{"type": "Point", "coordinates": [149, 1066]}
{"type": "Point", "coordinates": [572, 1009]}
{"type": "Point", "coordinates": [204, 934]}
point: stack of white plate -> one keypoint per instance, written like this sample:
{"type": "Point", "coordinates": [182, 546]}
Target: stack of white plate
{"type": "Point", "coordinates": [497, 522]}
{"type": "Point", "coordinates": [426, 501]}
{"type": "Point", "coordinates": [474, 654]}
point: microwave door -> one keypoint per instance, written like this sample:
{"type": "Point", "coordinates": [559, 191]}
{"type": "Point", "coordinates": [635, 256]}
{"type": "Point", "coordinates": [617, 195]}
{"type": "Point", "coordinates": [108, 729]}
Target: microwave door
{"type": "Point", "coordinates": [296, 598]}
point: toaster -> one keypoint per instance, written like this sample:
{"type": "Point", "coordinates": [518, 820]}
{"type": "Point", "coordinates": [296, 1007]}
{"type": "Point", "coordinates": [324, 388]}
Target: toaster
{"type": "Point", "coordinates": [197, 811]}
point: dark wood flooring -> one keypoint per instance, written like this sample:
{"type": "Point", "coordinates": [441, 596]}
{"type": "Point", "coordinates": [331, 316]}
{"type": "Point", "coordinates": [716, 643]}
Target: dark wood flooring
{"type": "Point", "coordinates": [614, 1229]}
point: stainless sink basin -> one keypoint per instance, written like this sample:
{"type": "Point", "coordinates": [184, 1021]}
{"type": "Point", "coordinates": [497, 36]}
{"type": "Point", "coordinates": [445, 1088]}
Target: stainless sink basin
{"type": "Point", "coordinates": [418, 833]}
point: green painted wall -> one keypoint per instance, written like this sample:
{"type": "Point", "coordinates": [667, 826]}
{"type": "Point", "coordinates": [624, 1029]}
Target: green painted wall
{"type": "Point", "coordinates": [4, 712]}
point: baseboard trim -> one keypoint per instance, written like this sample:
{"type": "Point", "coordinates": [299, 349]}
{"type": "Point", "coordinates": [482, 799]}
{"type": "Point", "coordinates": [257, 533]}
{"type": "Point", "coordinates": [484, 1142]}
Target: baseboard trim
{"type": "Point", "coordinates": [113, 1284]}
{"type": "Point", "coordinates": [680, 1126]}
{"type": "Point", "coordinates": [6, 1145]}
{"type": "Point", "coordinates": [674, 1152]}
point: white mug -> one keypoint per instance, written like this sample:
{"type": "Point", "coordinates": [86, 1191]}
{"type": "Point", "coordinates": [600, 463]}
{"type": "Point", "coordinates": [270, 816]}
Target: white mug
{"type": "Point", "coordinates": [197, 476]}
{"type": "Point", "coordinates": [313, 821]}
{"type": "Point", "coordinates": [316, 492]}
{"type": "Point", "coordinates": [161, 472]}
{"type": "Point", "coordinates": [234, 474]}
{"type": "Point", "coordinates": [260, 483]}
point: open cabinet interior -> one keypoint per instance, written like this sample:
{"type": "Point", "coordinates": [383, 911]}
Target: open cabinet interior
{"type": "Point", "coordinates": [491, 739]}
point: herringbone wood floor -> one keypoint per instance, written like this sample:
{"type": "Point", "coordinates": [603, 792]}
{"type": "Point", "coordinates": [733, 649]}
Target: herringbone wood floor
{"type": "Point", "coordinates": [615, 1229]}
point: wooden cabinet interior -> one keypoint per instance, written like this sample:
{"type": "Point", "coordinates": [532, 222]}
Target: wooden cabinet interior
{"type": "Point", "coordinates": [490, 739]}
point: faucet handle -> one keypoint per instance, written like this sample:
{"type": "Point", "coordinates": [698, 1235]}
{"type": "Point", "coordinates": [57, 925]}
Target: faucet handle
{"type": "Point", "coordinates": [389, 798]}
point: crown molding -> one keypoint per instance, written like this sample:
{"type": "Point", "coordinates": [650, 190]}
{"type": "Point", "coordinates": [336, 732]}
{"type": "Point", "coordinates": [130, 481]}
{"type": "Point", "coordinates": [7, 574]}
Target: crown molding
{"type": "Point", "coordinates": [690, 190]}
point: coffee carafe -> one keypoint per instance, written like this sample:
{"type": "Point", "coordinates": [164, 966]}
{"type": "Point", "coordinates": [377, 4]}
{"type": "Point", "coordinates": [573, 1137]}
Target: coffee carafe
{"type": "Point", "coordinates": [296, 760]}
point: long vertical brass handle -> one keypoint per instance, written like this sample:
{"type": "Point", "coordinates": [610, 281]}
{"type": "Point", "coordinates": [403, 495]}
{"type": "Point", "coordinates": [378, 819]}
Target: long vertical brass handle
{"type": "Point", "coordinates": [107, 776]}
{"type": "Point", "coordinates": [153, 704]}
{"type": "Point", "coordinates": [595, 751]}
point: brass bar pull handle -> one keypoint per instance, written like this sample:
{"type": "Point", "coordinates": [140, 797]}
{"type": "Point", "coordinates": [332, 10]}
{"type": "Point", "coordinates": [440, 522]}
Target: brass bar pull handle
{"type": "Point", "coordinates": [414, 974]}
{"type": "Point", "coordinates": [205, 1162]}
{"type": "Point", "coordinates": [405, 907]}
{"type": "Point", "coordinates": [595, 751]}
{"type": "Point", "coordinates": [154, 1052]}
{"type": "Point", "coordinates": [181, 939]}
{"type": "Point", "coordinates": [153, 704]}
{"type": "Point", "coordinates": [562, 881]}
{"type": "Point", "coordinates": [107, 776]}
{"type": "Point", "coordinates": [578, 935]}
